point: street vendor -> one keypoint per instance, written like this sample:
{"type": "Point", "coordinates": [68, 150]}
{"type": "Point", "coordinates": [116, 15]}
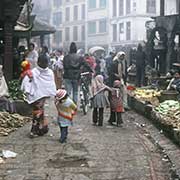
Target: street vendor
{"type": "Point", "coordinates": [119, 72]}
{"type": "Point", "coordinates": [175, 82]}
{"type": "Point", "coordinates": [5, 104]}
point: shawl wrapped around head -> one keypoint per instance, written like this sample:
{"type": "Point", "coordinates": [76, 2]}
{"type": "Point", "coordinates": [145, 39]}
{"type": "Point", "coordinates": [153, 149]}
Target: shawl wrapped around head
{"type": "Point", "coordinates": [98, 85]}
{"type": "Point", "coordinates": [121, 64]}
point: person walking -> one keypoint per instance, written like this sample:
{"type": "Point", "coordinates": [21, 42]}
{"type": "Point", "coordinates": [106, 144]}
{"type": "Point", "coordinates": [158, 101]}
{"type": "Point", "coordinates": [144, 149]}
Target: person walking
{"type": "Point", "coordinates": [66, 110]}
{"type": "Point", "coordinates": [37, 89]}
{"type": "Point", "coordinates": [116, 103]}
{"type": "Point", "coordinates": [32, 56]}
{"type": "Point", "coordinates": [72, 64]}
{"type": "Point", "coordinates": [99, 99]}
{"type": "Point", "coordinates": [109, 61]}
{"type": "Point", "coordinates": [140, 66]}
{"type": "Point", "coordinates": [58, 68]}
{"type": "Point", "coordinates": [45, 51]}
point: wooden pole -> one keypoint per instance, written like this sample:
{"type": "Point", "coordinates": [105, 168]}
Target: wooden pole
{"type": "Point", "coordinates": [8, 50]}
{"type": "Point", "coordinates": [162, 7]}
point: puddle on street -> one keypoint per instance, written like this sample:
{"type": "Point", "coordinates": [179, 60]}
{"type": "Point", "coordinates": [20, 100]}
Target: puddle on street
{"type": "Point", "coordinates": [65, 159]}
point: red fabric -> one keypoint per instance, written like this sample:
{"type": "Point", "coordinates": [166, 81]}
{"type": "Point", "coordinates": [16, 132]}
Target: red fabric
{"type": "Point", "coordinates": [91, 61]}
{"type": "Point", "coordinates": [28, 73]}
{"type": "Point", "coordinates": [26, 69]}
{"type": "Point", "coordinates": [116, 102]}
{"type": "Point", "coordinates": [66, 117]}
{"type": "Point", "coordinates": [130, 88]}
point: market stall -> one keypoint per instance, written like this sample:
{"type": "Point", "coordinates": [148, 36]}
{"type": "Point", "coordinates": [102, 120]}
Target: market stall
{"type": "Point", "coordinates": [159, 106]}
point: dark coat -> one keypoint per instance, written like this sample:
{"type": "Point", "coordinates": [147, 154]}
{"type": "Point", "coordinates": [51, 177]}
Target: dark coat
{"type": "Point", "coordinates": [140, 59]}
{"type": "Point", "coordinates": [114, 70]}
{"type": "Point", "coordinates": [72, 64]}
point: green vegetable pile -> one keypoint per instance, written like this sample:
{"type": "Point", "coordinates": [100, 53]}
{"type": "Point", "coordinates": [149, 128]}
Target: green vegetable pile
{"type": "Point", "coordinates": [169, 112]}
{"type": "Point", "coordinates": [15, 92]}
{"type": "Point", "coordinates": [167, 106]}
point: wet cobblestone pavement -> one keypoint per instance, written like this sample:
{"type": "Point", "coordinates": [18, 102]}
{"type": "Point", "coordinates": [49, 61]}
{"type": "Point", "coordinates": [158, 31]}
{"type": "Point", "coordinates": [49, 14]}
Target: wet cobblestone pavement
{"type": "Point", "coordinates": [136, 151]}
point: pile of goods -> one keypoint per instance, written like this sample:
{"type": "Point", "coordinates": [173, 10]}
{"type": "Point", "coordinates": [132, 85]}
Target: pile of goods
{"type": "Point", "coordinates": [169, 111]}
{"type": "Point", "coordinates": [15, 92]}
{"type": "Point", "coordinates": [147, 95]}
{"type": "Point", "coordinates": [10, 122]}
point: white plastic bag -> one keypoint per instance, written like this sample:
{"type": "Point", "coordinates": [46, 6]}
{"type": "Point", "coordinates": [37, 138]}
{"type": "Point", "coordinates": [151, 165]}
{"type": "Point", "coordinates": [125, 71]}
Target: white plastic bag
{"type": "Point", "coordinates": [8, 154]}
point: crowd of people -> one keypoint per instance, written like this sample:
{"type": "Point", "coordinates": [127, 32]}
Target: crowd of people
{"type": "Point", "coordinates": [58, 74]}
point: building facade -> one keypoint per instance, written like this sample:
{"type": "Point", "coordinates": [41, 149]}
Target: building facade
{"type": "Point", "coordinates": [107, 23]}
{"type": "Point", "coordinates": [128, 19]}
{"type": "Point", "coordinates": [68, 16]}
{"type": "Point", "coordinates": [97, 23]}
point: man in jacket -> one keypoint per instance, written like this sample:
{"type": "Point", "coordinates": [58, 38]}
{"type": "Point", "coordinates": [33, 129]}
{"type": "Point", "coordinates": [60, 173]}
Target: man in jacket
{"type": "Point", "coordinates": [72, 64]}
{"type": "Point", "coordinates": [140, 66]}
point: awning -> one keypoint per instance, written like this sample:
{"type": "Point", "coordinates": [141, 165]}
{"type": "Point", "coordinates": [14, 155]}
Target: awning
{"type": "Point", "coordinates": [38, 28]}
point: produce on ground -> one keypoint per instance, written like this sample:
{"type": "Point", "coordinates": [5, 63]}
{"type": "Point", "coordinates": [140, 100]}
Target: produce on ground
{"type": "Point", "coordinates": [10, 122]}
{"type": "Point", "coordinates": [147, 95]}
{"type": "Point", "coordinates": [169, 112]}
{"type": "Point", "coordinates": [15, 92]}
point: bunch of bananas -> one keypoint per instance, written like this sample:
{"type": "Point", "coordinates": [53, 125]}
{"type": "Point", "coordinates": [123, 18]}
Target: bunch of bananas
{"type": "Point", "coordinates": [147, 95]}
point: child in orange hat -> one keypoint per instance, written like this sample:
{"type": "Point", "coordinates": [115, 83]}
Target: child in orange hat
{"type": "Point", "coordinates": [66, 109]}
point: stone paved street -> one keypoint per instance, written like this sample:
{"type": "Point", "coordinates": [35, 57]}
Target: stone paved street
{"type": "Point", "coordinates": [134, 152]}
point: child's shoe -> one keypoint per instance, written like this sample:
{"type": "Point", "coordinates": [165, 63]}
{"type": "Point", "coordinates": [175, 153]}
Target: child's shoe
{"type": "Point", "coordinates": [32, 135]}
{"type": "Point", "coordinates": [119, 124]}
{"type": "Point", "coordinates": [62, 141]}
{"type": "Point", "coordinates": [94, 124]}
{"type": "Point", "coordinates": [110, 123]}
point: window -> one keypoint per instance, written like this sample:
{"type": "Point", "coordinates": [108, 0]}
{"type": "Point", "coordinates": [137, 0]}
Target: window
{"type": "Point", "coordinates": [75, 12]}
{"type": "Point", "coordinates": [83, 33]}
{"type": "Point", "coordinates": [121, 7]}
{"type": "Point", "coordinates": [128, 31]}
{"type": "Point", "coordinates": [83, 11]}
{"type": "Point", "coordinates": [75, 33]}
{"type": "Point", "coordinates": [92, 27]}
{"type": "Point", "coordinates": [57, 18]}
{"type": "Point", "coordinates": [128, 6]}
{"type": "Point", "coordinates": [57, 3]}
{"type": "Point", "coordinates": [134, 6]}
{"type": "Point", "coordinates": [114, 32]}
{"type": "Point", "coordinates": [177, 6]}
{"type": "Point", "coordinates": [151, 6]}
{"type": "Point", "coordinates": [67, 33]}
{"type": "Point", "coordinates": [102, 3]}
{"type": "Point", "coordinates": [114, 8]}
{"type": "Point", "coordinates": [102, 26]}
{"type": "Point", "coordinates": [121, 28]}
{"type": "Point", "coordinates": [67, 14]}
{"type": "Point", "coordinates": [121, 31]}
{"type": "Point", "coordinates": [92, 4]}
{"type": "Point", "coordinates": [58, 37]}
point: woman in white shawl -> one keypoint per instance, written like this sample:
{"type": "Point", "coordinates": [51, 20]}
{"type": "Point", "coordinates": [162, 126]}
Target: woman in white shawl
{"type": "Point", "coordinates": [5, 104]}
{"type": "Point", "coordinates": [37, 90]}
